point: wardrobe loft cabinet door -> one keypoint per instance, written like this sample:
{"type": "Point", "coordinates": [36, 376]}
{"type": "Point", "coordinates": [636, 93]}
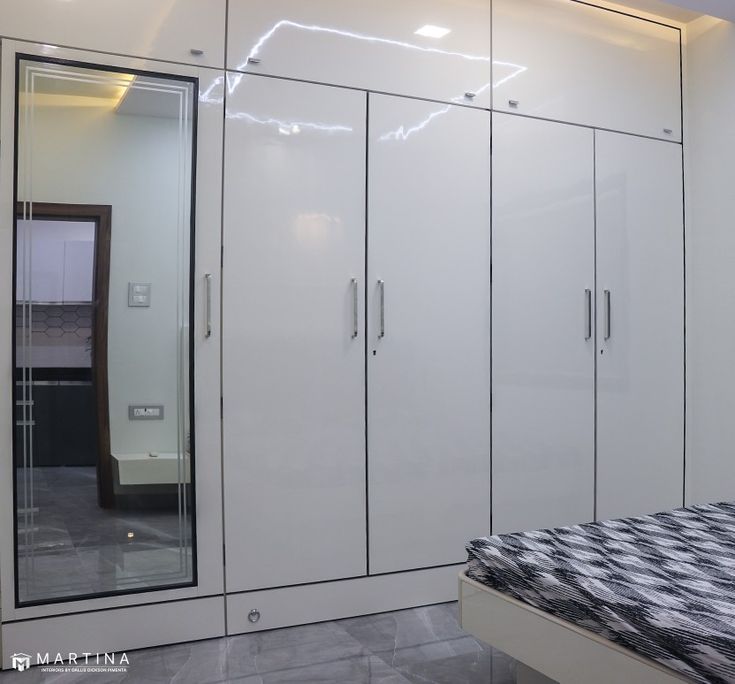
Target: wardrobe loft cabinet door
{"type": "Point", "coordinates": [543, 346]}
{"type": "Point", "coordinates": [428, 332]}
{"type": "Point", "coordinates": [569, 61]}
{"type": "Point", "coordinates": [294, 344]}
{"type": "Point", "coordinates": [640, 390]}
{"type": "Point", "coordinates": [78, 271]}
{"type": "Point", "coordinates": [435, 49]}
{"type": "Point", "coordinates": [157, 29]}
{"type": "Point", "coordinates": [46, 281]}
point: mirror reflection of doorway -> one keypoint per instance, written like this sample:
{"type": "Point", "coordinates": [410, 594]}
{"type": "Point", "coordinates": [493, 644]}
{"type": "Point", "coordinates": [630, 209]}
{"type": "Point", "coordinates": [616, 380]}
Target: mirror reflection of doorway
{"type": "Point", "coordinates": [65, 251]}
{"type": "Point", "coordinates": [104, 443]}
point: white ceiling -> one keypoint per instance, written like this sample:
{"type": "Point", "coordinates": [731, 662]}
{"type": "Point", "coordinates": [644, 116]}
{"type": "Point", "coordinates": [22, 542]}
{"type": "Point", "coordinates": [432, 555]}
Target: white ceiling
{"type": "Point", "coordinates": [146, 100]}
{"type": "Point", "coordinates": [725, 9]}
{"type": "Point", "coordinates": [684, 11]}
{"type": "Point", "coordinates": [674, 11]}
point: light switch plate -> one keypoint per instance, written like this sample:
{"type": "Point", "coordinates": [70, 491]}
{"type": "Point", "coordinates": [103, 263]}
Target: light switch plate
{"type": "Point", "coordinates": [139, 294]}
{"type": "Point", "coordinates": [145, 412]}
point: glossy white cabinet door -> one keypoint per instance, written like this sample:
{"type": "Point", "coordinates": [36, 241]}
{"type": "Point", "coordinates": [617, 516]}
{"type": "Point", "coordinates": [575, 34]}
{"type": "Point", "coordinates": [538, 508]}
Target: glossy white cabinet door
{"type": "Point", "coordinates": [157, 29]}
{"type": "Point", "coordinates": [640, 367]}
{"type": "Point", "coordinates": [371, 45]}
{"type": "Point", "coordinates": [543, 346]}
{"type": "Point", "coordinates": [294, 370]}
{"type": "Point", "coordinates": [569, 61]}
{"type": "Point", "coordinates": [429, 356]}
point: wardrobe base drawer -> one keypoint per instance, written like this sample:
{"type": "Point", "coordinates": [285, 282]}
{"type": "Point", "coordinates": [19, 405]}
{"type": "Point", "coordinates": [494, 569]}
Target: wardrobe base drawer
{"type": "Point", "coordinates": [273, 608]}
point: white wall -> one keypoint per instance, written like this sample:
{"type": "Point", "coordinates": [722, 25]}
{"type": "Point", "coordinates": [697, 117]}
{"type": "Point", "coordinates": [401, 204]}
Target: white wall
{"type": "Point", "coordinates": [90, 155]}
{"type": "Point", "coordinates": [710, 152]}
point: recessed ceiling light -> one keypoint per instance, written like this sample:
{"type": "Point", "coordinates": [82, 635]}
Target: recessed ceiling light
{"type": "Point", "coordinates": [430, 31]}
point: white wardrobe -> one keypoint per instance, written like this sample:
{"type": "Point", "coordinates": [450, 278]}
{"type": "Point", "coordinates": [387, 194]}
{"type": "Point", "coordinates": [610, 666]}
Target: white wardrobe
{"type": "Point", "coordinates": [588, 330]}
{"type": "Point", "coordinates": [450, 300]}
{"type": "Point", "coordinates": [356, 339]}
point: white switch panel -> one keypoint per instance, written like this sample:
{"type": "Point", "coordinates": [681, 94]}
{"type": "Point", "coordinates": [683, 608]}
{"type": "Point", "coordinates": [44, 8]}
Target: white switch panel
{"type": "Point", "coordinates": [139, 294]}
{"type": "Point", "coordinates": [145, 412]}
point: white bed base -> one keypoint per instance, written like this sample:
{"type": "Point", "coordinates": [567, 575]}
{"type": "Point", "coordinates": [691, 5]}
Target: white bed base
{"type": "Point", "coordinates": [553, 648]}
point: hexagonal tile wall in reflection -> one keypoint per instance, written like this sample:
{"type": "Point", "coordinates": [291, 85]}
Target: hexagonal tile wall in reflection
{"type": "Point", "coordinates": [58, 322]}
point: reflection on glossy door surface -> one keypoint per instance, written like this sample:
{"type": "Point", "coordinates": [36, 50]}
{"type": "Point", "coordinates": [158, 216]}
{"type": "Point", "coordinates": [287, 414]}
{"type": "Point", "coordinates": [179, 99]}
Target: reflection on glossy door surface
{"type": "Point", "coordinates": [428, 332]}
{"type": "Point", "coordinates": [294, 354]}
{"type": "Point", "coordinates": [543, 336]}
{"type": "Point", "coordinates": [103, 446]}
{"type": "Point", "coordinates": [437, 49]}
{"type": "Point", "coordinates": [640, 276]}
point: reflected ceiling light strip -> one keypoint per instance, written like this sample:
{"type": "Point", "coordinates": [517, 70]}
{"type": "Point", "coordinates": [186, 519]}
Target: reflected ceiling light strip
{"type": "Point", "coordinates": [80, 77]}
{"type": "Point", "coordinates": [358, 36]}
{"type": "Point", "coordinates": [288, 127]}
{"type": "Point", "coordinates": [404, 134]}
{"type": "Point", "coordinates": [122, 81]}
{"type": "Point", "coordinates": [125, 89]}
{"type": "Point", "coordinates": [125, 82]}
{"type": "Point", "coordinates": [518, 71]}
{"type": "Point", "coordinates": [233, 82]}
{"type": "Point", "coordinates": [476, 91]}
{"type": "Point", "coordinates": [207, 97]}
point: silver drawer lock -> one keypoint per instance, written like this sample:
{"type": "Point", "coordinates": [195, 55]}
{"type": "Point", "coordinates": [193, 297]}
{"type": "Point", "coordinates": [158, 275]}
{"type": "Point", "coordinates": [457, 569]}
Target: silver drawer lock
{"type": "Point", "coordinates": [254, 615]}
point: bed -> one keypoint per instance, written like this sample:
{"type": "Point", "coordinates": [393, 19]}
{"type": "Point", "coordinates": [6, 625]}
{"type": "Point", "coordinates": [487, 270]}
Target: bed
{"type": "Point", "coordinates": [637, 600]}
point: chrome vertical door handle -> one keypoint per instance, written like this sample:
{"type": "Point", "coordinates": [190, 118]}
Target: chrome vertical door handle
{"type": "Point", "coordinates": [608, 329]}
{"type": "Point", "coordinates": [355, 312]}
{"type": "Point", "coordinates": [588, 314]}
{"type": "Point", "coordinates": [381, 285]}
{"type": "Point", "coordinates": [208, 299]}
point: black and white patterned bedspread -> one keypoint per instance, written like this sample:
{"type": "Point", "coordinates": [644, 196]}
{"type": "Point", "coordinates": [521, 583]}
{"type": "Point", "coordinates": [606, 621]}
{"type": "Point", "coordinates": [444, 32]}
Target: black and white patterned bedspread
{"type": "Point", "coordinates": [661, 585]}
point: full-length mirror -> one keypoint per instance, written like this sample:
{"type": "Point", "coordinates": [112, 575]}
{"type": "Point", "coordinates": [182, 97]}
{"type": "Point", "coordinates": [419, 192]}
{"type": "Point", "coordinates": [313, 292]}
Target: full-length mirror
{"type": "Point", "coordinates": [103, 385]}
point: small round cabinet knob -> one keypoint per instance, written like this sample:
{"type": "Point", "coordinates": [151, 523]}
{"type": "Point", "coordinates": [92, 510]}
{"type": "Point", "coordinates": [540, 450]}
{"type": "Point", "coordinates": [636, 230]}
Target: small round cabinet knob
{"type": "Point", "coordinates": [197, 52]}
{"type": "Point", "coordinates": [254, 615]}
{"type": "Point", "coordinates": [470, 95]}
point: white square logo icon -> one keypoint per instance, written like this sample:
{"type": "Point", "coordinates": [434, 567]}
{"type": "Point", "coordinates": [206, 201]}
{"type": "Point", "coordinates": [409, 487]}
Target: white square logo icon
{"type": "Point", "coordinates": [21, 661]}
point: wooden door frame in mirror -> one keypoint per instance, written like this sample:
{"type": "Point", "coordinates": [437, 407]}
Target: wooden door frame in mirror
{"type": "Point", "coordinates": [101, 214]}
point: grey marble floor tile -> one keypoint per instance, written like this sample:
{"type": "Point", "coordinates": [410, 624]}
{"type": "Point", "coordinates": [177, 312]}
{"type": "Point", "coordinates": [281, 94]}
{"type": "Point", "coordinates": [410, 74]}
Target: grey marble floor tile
{"type": "Point", "coordinates": [418, 646]}
{"type": "Point", "coordinates": [437, 651]}
{"type": "Point", "coordinates": [461, 669]}
{"type": "Point", "coordinates": [310, 645]}
{"type": "Point", "coordinates": [358, 670]}
{"type": "Point", "coordinates": [35, 676]}
{"type": "Point", "coordinates": [391, 631]}
{"type": "Point", "coordinates": [202, 662]}
{"type": "Point", "coordinates": [428, 645]}
{"type": "Point", "coordinates": [503, 668]}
